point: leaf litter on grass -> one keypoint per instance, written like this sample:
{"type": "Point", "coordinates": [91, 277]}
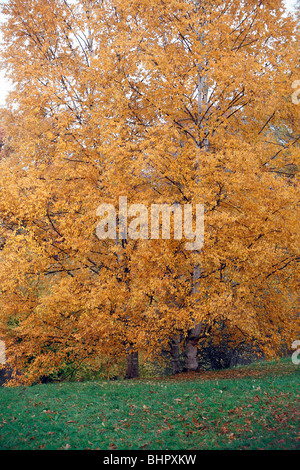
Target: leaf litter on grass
{"type": "Point", "coordinates": [240, 412]}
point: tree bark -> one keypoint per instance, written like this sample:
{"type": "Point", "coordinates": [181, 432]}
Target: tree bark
{"type": "Point", "coordinates": [191, 348]}
{"type": "Point", "coordinates": [191, 345]}
{"type": "Point", "coordinates": [175, 354]}
{"type": "Point", "coordinates": [132, 366]}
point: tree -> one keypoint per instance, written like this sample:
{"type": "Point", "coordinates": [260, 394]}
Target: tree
{"type": "Point", "coordinates": [173, 102]}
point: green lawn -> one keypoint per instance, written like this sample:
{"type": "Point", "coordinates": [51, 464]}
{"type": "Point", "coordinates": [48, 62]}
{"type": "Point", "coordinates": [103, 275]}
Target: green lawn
{"type": "Point", "coordinates": [255, 407]}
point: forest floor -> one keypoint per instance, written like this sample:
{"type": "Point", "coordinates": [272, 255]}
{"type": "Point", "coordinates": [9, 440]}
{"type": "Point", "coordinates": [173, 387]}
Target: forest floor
{"type": "Point", "coordinates": [251, 407]}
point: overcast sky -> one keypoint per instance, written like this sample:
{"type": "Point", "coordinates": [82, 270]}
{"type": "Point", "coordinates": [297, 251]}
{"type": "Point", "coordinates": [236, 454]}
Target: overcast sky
{"type": "Point", "coordinates": [5, 86]}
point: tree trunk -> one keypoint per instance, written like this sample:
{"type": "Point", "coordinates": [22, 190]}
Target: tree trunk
{"type": "Point", "coordinates": [132, 369]}
{"type": "Point", "coordinates": [191, 348]}
{"type": "Point", "coordinates": [175, 354]}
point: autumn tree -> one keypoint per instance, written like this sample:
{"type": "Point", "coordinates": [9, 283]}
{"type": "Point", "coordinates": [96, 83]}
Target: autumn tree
{"type": "Point", "coordinates": [229, 146]}
{"type": "Point", "coordinates": [161, 102]}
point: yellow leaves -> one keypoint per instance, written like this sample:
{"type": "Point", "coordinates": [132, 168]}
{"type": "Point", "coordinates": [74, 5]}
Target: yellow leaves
{"type": "Point", "coordinates": [108, 105]}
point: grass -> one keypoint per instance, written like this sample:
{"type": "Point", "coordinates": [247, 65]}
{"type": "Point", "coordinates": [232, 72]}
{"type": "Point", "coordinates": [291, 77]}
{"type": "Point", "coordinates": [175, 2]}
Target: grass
{"type": "Point", "coordinates": [253, 407]}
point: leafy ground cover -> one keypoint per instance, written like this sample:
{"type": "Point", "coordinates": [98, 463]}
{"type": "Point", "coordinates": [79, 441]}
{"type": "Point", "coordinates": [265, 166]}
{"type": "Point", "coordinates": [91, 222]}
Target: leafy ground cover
{"type": "Point", "coordinates": [251, 407]}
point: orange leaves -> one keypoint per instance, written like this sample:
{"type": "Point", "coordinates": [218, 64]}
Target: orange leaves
{"type": "Point", "coordinates": [108, 103]}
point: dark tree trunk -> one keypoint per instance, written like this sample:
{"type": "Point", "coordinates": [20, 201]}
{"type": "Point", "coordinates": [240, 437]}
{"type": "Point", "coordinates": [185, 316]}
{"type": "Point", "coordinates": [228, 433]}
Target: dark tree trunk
{"type": "Point", "coordinates": [132, 369]}
{"type": "Point", "coordinates": [175, 354]}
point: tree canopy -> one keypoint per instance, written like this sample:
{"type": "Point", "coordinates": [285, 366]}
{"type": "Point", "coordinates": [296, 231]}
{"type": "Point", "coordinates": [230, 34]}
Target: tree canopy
{"type": "Point", "coordinates": [185, 102]}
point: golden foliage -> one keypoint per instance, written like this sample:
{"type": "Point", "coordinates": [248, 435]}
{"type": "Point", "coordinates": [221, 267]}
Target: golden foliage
{"type": "Point", "coordinates": [107, 104]}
